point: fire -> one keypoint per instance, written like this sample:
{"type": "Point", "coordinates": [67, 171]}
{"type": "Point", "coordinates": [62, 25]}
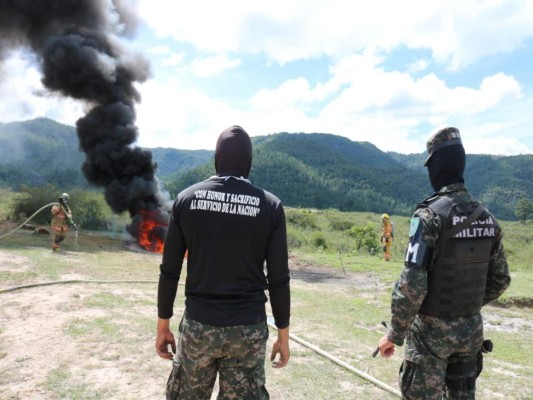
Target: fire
{"type": "Point", "coordinates": [151, 232]}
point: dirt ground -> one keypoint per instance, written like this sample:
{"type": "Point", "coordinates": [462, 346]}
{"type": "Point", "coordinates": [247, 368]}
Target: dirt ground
{"type": "Point", "coordinates": [52, 348]}
{"type": "Point", "coordinates": [47, 353]}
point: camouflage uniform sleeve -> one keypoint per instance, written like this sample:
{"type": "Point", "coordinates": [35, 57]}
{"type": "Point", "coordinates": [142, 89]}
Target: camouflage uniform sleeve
{"type": "Point", "coordinates": [411, 288]}
{"type": "Point", "coordinates": [498, 277]}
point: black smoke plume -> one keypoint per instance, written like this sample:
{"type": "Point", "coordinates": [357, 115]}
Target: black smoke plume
{"type": "Point", "coordinates": [81, 55]}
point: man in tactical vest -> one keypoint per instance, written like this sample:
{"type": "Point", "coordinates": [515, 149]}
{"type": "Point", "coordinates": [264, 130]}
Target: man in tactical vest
{"type": "Point", "coordinates": [455, 263]}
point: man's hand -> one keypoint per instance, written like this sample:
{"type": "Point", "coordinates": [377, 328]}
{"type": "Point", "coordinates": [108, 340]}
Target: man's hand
{"type": "Point", "coordinates": [163, 339]}
{"type": "Point", "coordinates": [386, 347]}
{"type": "Point", "coordinates": [281, 347]}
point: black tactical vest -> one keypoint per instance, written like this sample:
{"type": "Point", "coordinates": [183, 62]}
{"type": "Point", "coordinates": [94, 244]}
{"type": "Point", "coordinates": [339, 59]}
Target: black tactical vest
{"type": "Point", "coordinates": [458, 273]}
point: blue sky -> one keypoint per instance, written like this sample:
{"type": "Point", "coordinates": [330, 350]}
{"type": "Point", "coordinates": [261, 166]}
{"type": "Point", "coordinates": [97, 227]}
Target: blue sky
{"type": "Point", "coordinates": [386, 72]}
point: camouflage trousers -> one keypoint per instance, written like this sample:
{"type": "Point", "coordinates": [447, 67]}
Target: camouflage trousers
{"type": "Point", "coordinates": [236, 353]}
{"type": "Point", "coordinates": [433, 344]}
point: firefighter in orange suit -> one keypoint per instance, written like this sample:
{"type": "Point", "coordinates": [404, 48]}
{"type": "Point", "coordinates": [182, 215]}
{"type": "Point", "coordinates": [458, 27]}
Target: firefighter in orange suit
{"type": "Point", "coordinates": [386, 235]}
{"type": "Point", "coordinates": [61, 217]}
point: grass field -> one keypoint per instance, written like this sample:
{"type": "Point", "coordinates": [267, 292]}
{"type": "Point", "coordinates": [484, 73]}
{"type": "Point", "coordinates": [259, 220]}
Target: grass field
{"type": "Point", "coordinates": [95, 340]}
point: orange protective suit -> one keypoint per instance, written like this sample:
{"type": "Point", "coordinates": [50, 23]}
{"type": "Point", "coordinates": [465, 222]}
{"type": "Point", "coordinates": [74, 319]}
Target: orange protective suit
{"type": "Point", "coordinates": [60, 218]}
{"type": "Point", "coordinates": [386, 236]}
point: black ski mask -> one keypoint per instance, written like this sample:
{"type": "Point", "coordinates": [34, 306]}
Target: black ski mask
{"type": "Point", "coordinates": [447, 166]}
{"type": "Point", "coordinates": [233, 154]}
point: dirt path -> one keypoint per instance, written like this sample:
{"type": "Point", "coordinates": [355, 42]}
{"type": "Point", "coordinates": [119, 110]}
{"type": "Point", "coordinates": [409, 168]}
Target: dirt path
{"type": "Point", "coordinates": [95, 341]}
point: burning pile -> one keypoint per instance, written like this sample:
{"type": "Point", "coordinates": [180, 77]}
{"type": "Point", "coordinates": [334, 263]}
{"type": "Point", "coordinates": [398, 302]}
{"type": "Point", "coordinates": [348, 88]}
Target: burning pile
{"type": "Point", "coordinates": [151, 232]}
{"type": "Point", "coordinates": [81, 56]}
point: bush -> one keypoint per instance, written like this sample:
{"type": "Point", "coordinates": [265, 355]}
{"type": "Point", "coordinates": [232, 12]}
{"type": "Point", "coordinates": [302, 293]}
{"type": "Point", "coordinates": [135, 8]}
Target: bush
{"type": "Point", "coordinates": [365, 237]}
{"type": "Point", "coordinates": [301, 218]}
{"type": "Point", "coordinates": [33, 199]}
{"type": "Point", "coordinates": [319, 240]}
{"type": "Point", "coordinates": [89, 209]}
{"type": "Point", "coordinates": [338, 224]}
{"type": "Point", "coordinates": [524, 209]}
{"type": "Point", "coordinates": [295, 238]}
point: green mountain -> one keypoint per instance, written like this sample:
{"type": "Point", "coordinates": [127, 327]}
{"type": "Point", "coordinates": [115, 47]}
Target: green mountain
{"type": "Point", "coordinates": [328, 171]}
{"type": "Point", "coordinates": [39, 151]}
{"type": "Point", "coordinates": [304, 170]}
{"type": "Point", "coordinates": [498, 181]}
{"type": "Point", "coordinates": [42, 151]}
{"type": "Point", "coordinates": [342, 174]}
{"type": "Point", "coordinates": [174, 161]}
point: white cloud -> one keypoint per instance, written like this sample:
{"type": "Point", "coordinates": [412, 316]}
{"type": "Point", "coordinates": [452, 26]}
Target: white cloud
{"type": "Point", "coordinates": [213, 65]}
{"type": "Point", "coordinates": [160, 49]}
{"type": "Point", "coordinates": [292, 93]}
{"type": "Point", "coordinates": [173, 115]}
{"type": "Point", "coordinates": [173, 60]}
{"type": "Point", "coordinates": [457, 32]}
{"type": "Point", "coordinates": [360, 99]}
{"type": "Point", "coordinates": [22, 95]}
{"type": "Point", "coordinates": [419, 65]}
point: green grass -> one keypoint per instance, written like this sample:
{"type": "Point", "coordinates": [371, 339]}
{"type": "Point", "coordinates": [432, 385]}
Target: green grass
{"type": "Point", "coordinates": [63, 384]}
{"type": "Point", "coordinates": [521, 284]}
{"type": "Point", "coordinates": [102, 327]}
{"type": "Point", "coordinates": [107, 301]}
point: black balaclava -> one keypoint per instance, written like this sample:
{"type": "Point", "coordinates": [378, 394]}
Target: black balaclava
{"type": "Point", "coordinates": [447, 166]}
{"type": "Point", "coordinates": [233, 154]}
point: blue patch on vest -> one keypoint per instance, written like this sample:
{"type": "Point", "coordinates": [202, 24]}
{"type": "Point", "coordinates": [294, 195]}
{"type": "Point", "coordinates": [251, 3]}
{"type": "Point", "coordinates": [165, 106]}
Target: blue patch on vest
{"type": "Point", "coordinates": [415, 222]}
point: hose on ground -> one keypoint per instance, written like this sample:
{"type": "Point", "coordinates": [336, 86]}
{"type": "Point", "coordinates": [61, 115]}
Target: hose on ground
{"type": "Point", "coordinates": [32, 285]}
{"type": "Point", "coordinates": [343, 364]}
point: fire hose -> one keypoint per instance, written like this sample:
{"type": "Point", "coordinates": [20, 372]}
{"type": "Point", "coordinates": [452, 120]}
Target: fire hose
{"type": "Point", "coordinates": [295, 338]}
{"type": "Point", "coordinates": [29, 219]}
{"type": "Point", "coordinates": [76, 234]}
{"type": "Point", "coordinates": [343, 364]}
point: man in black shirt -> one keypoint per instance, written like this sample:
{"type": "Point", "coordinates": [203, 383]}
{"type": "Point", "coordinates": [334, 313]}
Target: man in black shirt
{"type": "Point", "coordinates": [236, 242]}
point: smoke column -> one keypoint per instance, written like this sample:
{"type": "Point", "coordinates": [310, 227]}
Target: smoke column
{"type": "Point", "coordinates": [81, 55]}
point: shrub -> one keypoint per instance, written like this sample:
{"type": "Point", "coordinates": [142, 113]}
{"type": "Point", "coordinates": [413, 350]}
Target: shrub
{"type": "Point", "coordinates": [89, 209]}
{"type": "Point", "coordinates": [365, 237]}
{"type": "Point", "coordinates": [339, 224]}
{"type": "Point", "coordinates": [524, 209]}
{"type": "Point", "coordinates": [34, 198]}
{"type": "Point", "coordinates": [301, 218]}
{"type": "Point", "coordinates": [295, 238]}
{"type": "Point", "coordinates": [319, 240]}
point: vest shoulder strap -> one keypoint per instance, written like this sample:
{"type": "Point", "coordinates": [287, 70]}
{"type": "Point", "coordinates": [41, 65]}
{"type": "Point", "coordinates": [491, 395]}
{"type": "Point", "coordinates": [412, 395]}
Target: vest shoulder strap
{"type": "Point", "coordinates": [459, 227]}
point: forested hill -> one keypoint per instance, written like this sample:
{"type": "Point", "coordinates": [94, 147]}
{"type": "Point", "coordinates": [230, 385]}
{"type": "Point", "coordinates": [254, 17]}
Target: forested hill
{"type": "Point", "coordinates": [308, 170]}
{"type": "Point", "coordinates": [328, 171]}
{"type": "Point", "coordinates": [498, 181]}
{"type": "Point", "coordinates": [38, 152]}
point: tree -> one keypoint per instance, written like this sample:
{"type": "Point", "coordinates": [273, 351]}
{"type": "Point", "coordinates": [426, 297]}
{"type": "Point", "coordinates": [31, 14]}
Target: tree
{"type": "Point", "coordinates": [524, 209]}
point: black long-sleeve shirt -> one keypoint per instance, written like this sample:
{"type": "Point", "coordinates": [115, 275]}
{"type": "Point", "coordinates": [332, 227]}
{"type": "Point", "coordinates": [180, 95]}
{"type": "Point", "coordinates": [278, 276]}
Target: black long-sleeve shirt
{"type": "Point", "coordinates": [235, 235]}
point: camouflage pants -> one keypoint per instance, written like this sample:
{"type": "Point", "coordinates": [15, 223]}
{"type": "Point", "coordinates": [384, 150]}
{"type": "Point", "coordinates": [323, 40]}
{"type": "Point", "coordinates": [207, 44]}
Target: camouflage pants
{"type": "Point", "coordinates": [236, 353]}
{"type": "Point", "coordinates": [433, 344]}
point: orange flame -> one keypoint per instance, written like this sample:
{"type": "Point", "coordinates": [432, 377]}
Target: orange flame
{"type": "Point", "coordinates": [147, 237]}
